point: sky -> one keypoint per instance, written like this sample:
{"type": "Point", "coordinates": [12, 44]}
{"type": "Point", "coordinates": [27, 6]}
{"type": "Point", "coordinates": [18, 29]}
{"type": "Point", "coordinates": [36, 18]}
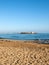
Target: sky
{"type": "Point", "coordinates": [24, 15]}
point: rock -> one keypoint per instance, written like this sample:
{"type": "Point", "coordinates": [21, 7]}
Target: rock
{"type": "Point", "coordinates": [28, 33]}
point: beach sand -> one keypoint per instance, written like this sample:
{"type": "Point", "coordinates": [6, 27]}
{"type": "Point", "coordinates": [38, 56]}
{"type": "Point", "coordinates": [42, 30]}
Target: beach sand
{"type": "Point", "coordinates": [23, 53]}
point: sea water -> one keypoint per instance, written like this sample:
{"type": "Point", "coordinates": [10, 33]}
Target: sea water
{"type": "Point", "coordinates": [25, 36]}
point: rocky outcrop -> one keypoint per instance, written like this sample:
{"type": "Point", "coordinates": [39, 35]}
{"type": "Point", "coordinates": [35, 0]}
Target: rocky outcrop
{"type": "Point", "coordinates": [28, 33]}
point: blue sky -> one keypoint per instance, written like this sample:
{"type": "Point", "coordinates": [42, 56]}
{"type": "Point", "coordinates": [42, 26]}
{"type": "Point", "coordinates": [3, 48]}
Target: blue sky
{"type": "Point", "coordinates": [24, 15]}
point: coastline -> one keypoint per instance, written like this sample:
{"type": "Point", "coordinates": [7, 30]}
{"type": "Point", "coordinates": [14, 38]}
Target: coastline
{"type": "Point", "coordinates": [38, 41]}
{"type": "Point", "coordinates": [22, 42]}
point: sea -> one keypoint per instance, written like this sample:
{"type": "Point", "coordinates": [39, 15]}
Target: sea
{"type": "Point", "coordinates": [15, 36]}
{"type": "Point", "coordinates": [39, 37]}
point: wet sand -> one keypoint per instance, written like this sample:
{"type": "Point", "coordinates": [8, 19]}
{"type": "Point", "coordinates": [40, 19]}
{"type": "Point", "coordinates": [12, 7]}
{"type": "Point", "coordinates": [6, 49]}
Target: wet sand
{"type": "Point", "coordinates": [23, 53]}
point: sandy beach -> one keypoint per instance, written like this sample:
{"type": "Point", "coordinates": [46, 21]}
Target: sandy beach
{"type": "Point", "coordinates": [23, 53]}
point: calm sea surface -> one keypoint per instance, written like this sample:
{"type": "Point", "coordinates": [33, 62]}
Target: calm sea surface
{"type": "Point", "coordinates": [25, 36]}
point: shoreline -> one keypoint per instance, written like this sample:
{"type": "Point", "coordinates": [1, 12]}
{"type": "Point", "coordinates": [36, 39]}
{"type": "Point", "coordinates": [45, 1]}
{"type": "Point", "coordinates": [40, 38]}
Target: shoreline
{"type": "Point", "coordinates": [39, 41]}
{"type": "Point", "coordinates": [18, 43]}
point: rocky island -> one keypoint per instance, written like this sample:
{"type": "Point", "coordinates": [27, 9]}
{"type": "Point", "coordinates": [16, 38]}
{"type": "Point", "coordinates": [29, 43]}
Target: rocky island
{"type": "Point", "coordinates": [28, 33]}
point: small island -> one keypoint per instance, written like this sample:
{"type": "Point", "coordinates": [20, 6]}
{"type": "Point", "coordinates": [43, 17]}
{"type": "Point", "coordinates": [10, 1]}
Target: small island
{"type": "Point", "coordinates": [28, 33]}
